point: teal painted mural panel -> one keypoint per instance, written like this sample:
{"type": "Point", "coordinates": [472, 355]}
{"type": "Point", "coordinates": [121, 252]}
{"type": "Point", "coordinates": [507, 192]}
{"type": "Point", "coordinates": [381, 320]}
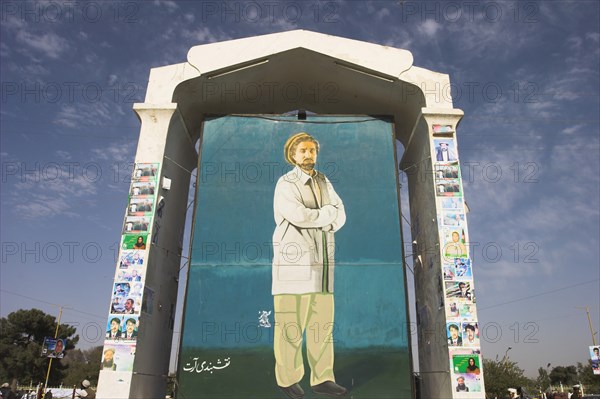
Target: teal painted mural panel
{"type": "Point", "coordinates": [227, 347]}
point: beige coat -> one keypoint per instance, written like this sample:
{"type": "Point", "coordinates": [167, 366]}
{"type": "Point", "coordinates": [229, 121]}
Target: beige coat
{"type": "Point", "coordinates": [302, 226]}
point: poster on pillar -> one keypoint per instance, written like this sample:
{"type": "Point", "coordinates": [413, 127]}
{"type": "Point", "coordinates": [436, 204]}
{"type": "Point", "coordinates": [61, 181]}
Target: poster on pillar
{"type": "Point", "coordinates": [296, 270]}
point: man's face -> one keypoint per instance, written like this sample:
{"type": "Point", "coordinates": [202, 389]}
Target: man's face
{"type": "Point", "coordinates": [596, 352]}
{"type": "Point", "coordinates": [59, 346]}
{"type": "Point", "coordinates": [130, 327]}
{"type": "Point", "coordinates": [453, 332]}
{"type": "Point", "coordinates": [461, 380]}
{"type": "Point", "coordinates": [444, 146]}
{"type": "Point", "coordinates": [455, 236]}
{"type": "Point", "coordinates": [140, 240]}
{"type": "Point", "coordinates": [129, 304]}
{"type": "Point", "coordinates": [108, 356]}
{"type": "Point", "coordinates": [114, 326]}
{"type": "Point", "coordinates": [470, 334]}
{"type": "Point", "coordinates": [305, 155]}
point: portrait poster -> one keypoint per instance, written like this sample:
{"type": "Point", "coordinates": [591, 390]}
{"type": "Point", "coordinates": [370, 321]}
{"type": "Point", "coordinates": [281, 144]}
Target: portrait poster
{"type": "Point", "coordinates": [454, 334]}
{"type": "Point", "coordinates": [453, 308]}
{"type": "Point", "coordinates": [126, 298]}
{"type": "Point", "coordinates": [137, 224]}
{"type": "Point", "coordinates": [460, 289]}
{"type": "Point", "coordinates": [129, 329]}
{"type": "Point", "coordinates": [114, 327]}
{"type": "Point", "coordinates": [130, 274]}
{"type": "Point", "coordinates": [453, 218]}
{"type": "Point", "coordinates": [451, 203]}
{"type": "Point", "coordinates": [449, 271]}
{"type": "Point", "coordinates": [118, 356]}
{"type": "Point", "coordinates": [455, 241]}
{"type": "Point", "coordinates": [467, 383]}
{"type": "Point", "coordinates": [470, 330]}
{"type": "Point", "coordinates": [462, 269]}
{"type": "Point", "coordinates": [132, 257]}
{"type": "Point", "coordinates": [445, 150]}
{"type": "Point", "coordinates": [448, 187]}
{"type": "Point", "coordinates": [467, 309]}
{"type": "Point", "coordinates": [595, 358]}
{"type": "Point", "coordinates": [466, 363]}
{"type": "Point", "coordinates": [134, 241]}
{"type": "Point", "coordinates": [142, 189]}
{"type": "Point", "coordinates": [230, 307]}
{"type": "Point", "coordinates": [54, 347]}
{"type": "Point", "coordinates": [447, 171]}
{"type": "Point", "coordinates": [141, 206]}
{"type": "Point", "coordinates": [145, 171]}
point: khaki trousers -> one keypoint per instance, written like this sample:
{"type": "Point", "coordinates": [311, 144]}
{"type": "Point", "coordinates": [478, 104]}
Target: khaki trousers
{"type": "Point", "coordinates": [295, 314]}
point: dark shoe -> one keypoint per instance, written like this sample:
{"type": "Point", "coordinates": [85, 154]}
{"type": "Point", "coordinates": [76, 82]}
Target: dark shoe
{"type": "Point", "coordinates": [293, 391]}
{"type": "Point", "coordinates": [330, 389]}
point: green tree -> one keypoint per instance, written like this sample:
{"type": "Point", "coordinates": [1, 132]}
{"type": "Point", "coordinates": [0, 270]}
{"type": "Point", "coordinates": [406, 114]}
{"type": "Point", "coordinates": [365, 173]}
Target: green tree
{"type": "Point", "coordinates": [504, 374]}
{"type": "Point", "coordinates": [83, 365]}
{"type": "Point", "coordinates": [585, 375]}
{"type": "Point", "coordinates": [543, 379]}
{"type": "Point", "coordinates": [565, 375]}
{"type": "Point", "coordinates": [21, 338]}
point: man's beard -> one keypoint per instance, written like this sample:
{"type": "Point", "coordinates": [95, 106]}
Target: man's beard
{"type": "Point", "coordinates": [307, 165]}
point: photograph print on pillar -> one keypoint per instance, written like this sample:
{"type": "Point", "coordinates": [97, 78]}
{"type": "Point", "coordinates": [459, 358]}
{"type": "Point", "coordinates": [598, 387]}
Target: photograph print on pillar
{"type": "Point", "coordinates": [145, 172]}
{"type": "Point", "coordinates": [462, 328]}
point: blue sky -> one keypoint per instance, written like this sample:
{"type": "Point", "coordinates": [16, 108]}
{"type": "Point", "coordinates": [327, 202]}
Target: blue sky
{"type": "Point", "coordinates": [526, 75]}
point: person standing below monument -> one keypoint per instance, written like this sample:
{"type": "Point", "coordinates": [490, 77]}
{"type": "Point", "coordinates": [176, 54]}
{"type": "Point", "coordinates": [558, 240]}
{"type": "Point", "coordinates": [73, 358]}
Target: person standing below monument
{"type": "Point", "coordinates": [307, 213]}
{"type": "Point", "coordinates": [86, 386]}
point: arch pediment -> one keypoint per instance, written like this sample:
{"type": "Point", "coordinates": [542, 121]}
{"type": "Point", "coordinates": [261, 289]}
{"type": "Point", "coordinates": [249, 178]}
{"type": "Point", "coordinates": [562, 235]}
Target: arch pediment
{"type": "Point", "coordinates": [386, 60]}
{"type": "Point", "coordinates": [299, 69]}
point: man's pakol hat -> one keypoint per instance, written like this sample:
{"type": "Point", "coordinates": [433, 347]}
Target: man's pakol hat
{"type": "Point", "coordinates": [287, 155]}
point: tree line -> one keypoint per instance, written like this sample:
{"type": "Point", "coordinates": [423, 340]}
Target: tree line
{"type": "Point", "coordinates": [22, 336]}
{"type": "Point", "coordinates": [21, 339]}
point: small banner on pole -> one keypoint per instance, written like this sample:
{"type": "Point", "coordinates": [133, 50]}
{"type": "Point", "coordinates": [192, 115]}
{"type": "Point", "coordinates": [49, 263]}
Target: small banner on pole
{"type": "Point", "coordinates": [53, 347]}
{"type": "Point", "coordinates": [595, 358]}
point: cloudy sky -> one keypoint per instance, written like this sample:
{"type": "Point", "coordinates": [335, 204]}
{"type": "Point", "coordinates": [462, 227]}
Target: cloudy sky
{"type": "Point", "coordinates": [526, 75]}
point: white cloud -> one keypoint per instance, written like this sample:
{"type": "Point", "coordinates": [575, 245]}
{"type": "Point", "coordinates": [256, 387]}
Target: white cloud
{"type": "Point", "coordinates": [204, 35]}
{"type": "Point", "coordinates": [49, 44]}
{"type": "Point", "coordinates": [57, 193]}
{"type": "Point", "coordinates": [594, 36]}
{"type": "Point", "coordinates": [80, 115]}
{"type": "Point", "coordinates": [168, 4]}
{"type": "Point", "coordinates": [118, 152]}
{"type": "Point", "coordinates": [573, 129]}
{"type": "Point", "coordinates": [63, 154]}
{"type": "Point", "coordinates": [429, 28]}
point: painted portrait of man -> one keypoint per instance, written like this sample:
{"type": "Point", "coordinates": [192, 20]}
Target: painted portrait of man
{"type": "Point", "coordinates": [308, 212]}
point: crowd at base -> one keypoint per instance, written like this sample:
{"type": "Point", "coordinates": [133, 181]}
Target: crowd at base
{"type": "Point", "coordinates": [84, 391]}
{"type": "Point", "coordinates": [576, 393]}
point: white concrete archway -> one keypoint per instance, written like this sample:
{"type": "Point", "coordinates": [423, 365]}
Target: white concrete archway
{"type": "Point", "coordinates": [273, 74]}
